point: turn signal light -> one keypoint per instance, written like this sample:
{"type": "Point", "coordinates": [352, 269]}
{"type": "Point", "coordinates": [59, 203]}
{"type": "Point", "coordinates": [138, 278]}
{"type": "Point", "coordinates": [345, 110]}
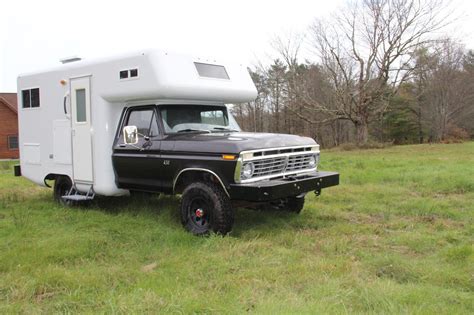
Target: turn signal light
{"type": "Point", "coordinates": [228, 157]}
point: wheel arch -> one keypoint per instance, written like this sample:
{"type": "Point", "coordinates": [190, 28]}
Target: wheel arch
{"type": "Point", "coordinates": [54, 176]}
{"type": "Point", "coordinates": [195, 174]}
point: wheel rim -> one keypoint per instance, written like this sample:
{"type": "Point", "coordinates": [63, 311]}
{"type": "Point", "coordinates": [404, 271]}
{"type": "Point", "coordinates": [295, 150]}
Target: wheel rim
{"type": "Point", "coordinates": [198, 211]}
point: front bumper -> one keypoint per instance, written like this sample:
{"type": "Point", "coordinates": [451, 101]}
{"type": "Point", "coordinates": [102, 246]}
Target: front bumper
{"type": "Point", "coordinates": [280, 188]}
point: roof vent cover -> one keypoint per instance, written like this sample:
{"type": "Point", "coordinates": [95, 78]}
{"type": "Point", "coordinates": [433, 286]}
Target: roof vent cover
{"type": "Point", "coordinates": [70, 59]}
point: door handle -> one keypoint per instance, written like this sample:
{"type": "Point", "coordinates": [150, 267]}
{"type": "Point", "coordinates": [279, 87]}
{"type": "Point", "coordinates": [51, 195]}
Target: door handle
{"type": "Point", "coordinates": [64, 105]}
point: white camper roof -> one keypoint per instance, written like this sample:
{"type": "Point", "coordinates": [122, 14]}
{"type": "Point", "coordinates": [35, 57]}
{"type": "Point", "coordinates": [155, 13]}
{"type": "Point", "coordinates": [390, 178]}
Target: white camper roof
{"type": "Point", "coordinates": [156, 74]}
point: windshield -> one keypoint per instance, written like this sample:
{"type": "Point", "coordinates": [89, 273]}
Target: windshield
{"type": "Point", "coordinates": [197, 118]}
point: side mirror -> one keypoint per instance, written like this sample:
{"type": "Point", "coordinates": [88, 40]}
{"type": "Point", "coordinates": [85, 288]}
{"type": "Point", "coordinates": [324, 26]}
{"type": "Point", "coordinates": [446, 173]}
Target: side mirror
{"type": "Point", "coordinates": [130, 134]}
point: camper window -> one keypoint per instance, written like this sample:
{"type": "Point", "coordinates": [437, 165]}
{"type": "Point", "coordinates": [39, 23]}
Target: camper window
{"type": "Point", "coordinates": [30, 98]}
{"type": "Point", "coordinates": [126, 74]}
{"type": "Point", "coordinates": [211, 71]}
{"type": "Point", "coordinates": [145, 121]}
{"type": "Point", "coordinates": [81, 105]}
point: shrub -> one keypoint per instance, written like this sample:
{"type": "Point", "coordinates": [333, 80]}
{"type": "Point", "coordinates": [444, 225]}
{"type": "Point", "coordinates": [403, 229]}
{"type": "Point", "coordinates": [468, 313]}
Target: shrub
{"type": "Point", "coordinates": [456, 134]}
{"type": "Point", "coordinates": [368, 145]}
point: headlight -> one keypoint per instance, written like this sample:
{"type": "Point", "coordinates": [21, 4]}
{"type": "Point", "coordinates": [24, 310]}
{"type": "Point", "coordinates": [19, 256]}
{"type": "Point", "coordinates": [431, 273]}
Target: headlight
{"type": "Point", "coordinates": [313, 161]}
{"type": "Point", "coordinates": [247, 170]}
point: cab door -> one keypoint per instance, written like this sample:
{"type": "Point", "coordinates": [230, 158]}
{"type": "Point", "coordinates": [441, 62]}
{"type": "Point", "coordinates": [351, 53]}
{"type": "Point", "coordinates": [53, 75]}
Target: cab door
{"type": "Point", "coordinates": [138, 166]}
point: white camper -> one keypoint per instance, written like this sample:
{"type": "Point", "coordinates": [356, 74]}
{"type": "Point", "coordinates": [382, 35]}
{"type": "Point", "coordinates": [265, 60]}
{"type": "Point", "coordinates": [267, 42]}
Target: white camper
{"type": "Point", "coordinates": [157, 122]}
{"type": "Point", "coordinates": [68, 115]}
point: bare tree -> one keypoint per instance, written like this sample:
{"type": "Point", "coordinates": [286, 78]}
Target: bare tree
{"type": "Point", "coordinates": [450, 89]}
{"type": "Point", "coordinates": [367, 48]}
{"type": "Point", "coordinates": [277, 85]}
{"type": "Point", "coordinates": [288, 48]}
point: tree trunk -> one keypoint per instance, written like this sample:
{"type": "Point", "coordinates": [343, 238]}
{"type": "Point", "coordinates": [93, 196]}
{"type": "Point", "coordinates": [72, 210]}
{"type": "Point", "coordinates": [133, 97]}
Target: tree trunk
{"type": "Point", "coordinates": [419, 125]}
{"type": "Point", "coordinates": [362, 132]}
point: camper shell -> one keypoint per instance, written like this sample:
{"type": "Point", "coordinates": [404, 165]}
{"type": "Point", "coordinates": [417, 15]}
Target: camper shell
{"type": "Point", "coordinates": [72, 129]}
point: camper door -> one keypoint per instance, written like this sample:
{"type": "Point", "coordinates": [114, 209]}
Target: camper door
{"type": "Point", "coordinates": [81, 130]}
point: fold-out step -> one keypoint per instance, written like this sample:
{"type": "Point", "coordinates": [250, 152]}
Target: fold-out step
{"type": "Point", "coordinates": [75, 195]}
{"type": "Point", "coordinates": [78, 197]}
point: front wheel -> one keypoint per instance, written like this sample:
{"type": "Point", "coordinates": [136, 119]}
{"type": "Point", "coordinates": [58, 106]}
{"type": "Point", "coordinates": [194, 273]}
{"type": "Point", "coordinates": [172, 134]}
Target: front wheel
{"type": "Point", "coordinates": [295, 204]}
{"type": "Point", "coordinates": [206, 208]}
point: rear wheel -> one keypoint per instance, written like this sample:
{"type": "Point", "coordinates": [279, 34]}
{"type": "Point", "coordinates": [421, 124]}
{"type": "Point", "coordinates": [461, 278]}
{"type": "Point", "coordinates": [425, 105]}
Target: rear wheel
{"type": "Point", "coordinates": [206, 208]}
{"type": "Point", "coordinates": [62, 186]}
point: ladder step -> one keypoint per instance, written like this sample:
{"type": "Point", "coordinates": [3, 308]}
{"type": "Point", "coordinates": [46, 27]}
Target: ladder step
{"type": "Point", "coordinates": [77, 197]}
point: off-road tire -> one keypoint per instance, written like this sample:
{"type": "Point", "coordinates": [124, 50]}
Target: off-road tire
{"type": "Point", "coordinates": [62, 185]}
{"type": "Point", "coordinates": [218, 215]}
{"type": "Point", "coordinates": [293, 204]}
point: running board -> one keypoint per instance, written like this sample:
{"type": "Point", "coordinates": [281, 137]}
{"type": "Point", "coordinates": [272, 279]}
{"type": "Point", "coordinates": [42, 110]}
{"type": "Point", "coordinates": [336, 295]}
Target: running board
{"type": "Point", "coordinates": [75, 195]}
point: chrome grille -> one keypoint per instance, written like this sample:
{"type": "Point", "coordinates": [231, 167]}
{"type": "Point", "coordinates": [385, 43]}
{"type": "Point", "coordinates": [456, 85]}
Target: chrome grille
{"type": "Point", "coordinates": [276, 162]}
{"type": "Point", "coordinates": [281, 164]}
{"type": "Point", "coordinates": [298, 162]}
{"type": "Point", "coordinates": [269, 166]}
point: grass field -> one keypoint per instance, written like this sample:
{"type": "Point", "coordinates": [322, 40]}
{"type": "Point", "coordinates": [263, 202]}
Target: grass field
{"type": "Point", "coordinates": [396, 236]}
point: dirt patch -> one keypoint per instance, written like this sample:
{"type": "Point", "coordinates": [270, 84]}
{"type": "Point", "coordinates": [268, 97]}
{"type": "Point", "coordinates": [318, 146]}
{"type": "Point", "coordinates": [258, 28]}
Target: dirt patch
{"type": "Point", "coordinates": [149, 267]}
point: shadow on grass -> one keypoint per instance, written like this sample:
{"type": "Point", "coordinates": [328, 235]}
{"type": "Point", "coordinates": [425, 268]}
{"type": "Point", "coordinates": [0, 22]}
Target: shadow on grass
{"type": "Point", "coordinates": [269, 222]}
{"type": "Point", "coordinates": [132, 204]}
{"type": "Point", "coordinates": [262, 222]}
{"type": "Point", "coordinates": [155, 205]}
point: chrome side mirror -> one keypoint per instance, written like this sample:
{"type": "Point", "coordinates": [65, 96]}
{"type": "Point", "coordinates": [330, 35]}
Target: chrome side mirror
{"type": "Point", "coordinates": [130, 135]}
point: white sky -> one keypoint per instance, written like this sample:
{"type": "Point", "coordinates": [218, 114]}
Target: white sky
{"type": "Point", "coordinates": [35, 34]}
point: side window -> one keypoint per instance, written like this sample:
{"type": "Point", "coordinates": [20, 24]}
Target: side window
{"type": "Point", "coordinates": [145, 120]}
{"type": "Point", "coordinates": [154, 126]}
{"type": "Point", "coordinates": [30, 98]}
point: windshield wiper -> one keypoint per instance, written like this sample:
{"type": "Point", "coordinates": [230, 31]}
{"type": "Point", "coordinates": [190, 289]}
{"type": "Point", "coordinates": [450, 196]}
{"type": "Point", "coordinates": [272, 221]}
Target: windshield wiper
{"type": "Point", "coordinates": [224, 129]}
{"type": "Point", "coordinates": [194, 130]}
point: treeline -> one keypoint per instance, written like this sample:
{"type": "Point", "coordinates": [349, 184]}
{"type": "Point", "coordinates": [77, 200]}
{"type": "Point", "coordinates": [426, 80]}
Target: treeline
{"type": "Point", "coordinates": [378, 75]}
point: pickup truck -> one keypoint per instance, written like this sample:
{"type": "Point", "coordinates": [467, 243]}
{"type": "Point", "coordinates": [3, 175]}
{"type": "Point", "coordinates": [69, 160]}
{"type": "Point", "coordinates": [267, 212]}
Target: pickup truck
{"type": "Point", "coordinates": [199, 152]}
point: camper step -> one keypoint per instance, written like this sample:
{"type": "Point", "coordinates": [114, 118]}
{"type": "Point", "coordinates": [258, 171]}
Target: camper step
{"type": "Point", "coordinates": [75, 195]}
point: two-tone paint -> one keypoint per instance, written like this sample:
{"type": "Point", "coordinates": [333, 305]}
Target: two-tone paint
{"type": "Point", "coordinates": [156, 164]}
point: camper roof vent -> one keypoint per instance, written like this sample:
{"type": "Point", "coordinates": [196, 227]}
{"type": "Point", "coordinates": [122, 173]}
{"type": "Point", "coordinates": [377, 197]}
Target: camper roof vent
{"type": "Point", "coordinates": [70, 59]}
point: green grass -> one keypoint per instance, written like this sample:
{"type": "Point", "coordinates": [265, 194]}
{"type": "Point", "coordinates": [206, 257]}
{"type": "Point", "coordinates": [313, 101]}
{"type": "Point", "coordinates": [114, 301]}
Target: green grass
{"type": "Point", "coordinates": [396, 236]}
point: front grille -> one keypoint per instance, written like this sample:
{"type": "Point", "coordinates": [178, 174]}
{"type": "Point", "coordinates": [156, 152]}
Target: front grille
{"type": "Point", "coordinates": [277, 162]}
{"type": "Point", "coordinates": [269, 166]}
{"type": "Point", "coordinates": [282, 164]}
{"type": "Point", "coordinates": [298, 162]}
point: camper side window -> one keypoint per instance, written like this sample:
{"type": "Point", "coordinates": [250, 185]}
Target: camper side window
{"type": "Point", "coordinates": [30, 98]}
{"type": "Point", "coordinates": [145, 121]}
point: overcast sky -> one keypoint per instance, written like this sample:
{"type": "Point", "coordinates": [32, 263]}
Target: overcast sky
{"type": "Point", "coordinates": [35, 34]}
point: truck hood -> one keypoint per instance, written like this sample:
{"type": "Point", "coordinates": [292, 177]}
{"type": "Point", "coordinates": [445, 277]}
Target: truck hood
{"type": "Point", "coordinates": [233, 142]}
